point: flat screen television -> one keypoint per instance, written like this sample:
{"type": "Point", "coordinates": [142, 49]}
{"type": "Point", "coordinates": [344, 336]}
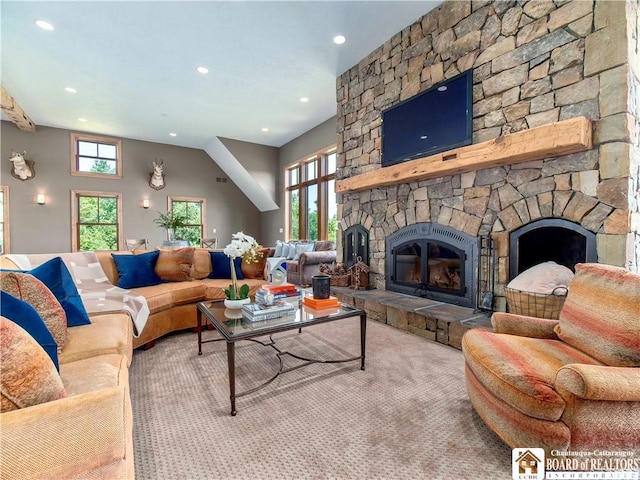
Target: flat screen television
{"type": "Point", "coordinates": [433, 121]}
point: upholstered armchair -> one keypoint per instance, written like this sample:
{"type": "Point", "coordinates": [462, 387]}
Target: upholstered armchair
{"type": "Point", "coordinates": [566, 384]}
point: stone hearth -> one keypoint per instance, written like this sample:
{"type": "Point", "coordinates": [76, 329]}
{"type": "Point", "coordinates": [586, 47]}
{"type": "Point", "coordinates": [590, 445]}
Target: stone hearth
{"type": "Point", "coordinates": [437, 321]}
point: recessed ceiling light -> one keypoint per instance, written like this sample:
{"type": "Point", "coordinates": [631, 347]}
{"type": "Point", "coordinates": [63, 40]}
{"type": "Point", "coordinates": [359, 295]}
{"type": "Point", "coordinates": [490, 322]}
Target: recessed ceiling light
{"type": "Point", "coordinates": [304, 100]}
{"type": "Point", "coordinates": [82, 119]}
{"type": "Point", "coordinates": [202, 69]}
{"type": "Point", "coordinates": [173, 134]}
{"type": "Point", "coordinates": [442, 88]}
{"type": "Point", "coordinates": [44, 25]}
{"type": "Point", "coordinates": [265, 129]}
{"type": "Point", "coordinates": [339, 39]}
{"type": "Point", "coordinates": [70, 90]}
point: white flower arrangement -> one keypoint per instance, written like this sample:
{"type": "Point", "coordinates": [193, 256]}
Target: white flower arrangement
{"type": "Point", "coordinates": [241, 246]}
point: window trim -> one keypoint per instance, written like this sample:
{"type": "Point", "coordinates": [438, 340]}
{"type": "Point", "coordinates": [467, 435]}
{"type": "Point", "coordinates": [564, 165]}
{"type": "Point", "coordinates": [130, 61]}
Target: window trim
{"type": "Point", "coordinates": [321, 179]}
{"type": "Point", "coordinates": [75, 240]}
{"type": "Point", "coordinates": [76, 137]}
{"type": "Point", "coordinates": [201, 200]}
{"type": "Point", "coordinates": [6, 243]}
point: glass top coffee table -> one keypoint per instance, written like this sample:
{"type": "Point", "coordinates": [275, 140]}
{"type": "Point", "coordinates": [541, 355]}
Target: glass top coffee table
{"type": "Point", "coordinates": [235, 329]}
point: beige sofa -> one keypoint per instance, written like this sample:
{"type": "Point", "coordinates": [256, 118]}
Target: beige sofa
{"type": "Point", "coordinates": [89, 433]}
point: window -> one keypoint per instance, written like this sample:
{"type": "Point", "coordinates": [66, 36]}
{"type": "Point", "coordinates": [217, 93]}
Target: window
{"type": "Point", "coordinates": [97, 220]}
{"type": "Point", "coordinates": [94, 156]}
{"type": "Point", "coordinates": [4, 220]}
{"type": "Point", "coordinates": [194, 209]}
{"type": "Point", "coordinates": [311, 199]}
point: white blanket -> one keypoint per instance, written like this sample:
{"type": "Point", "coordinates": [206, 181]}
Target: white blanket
{"type": "Point", "coordinates": [98, 295]}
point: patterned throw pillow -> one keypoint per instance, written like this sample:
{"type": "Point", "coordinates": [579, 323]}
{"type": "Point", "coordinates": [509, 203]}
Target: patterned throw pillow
{"type": "Point", "coordinates": [174, 265]}
{"type": "Point", "coordinates": [28, 288]}
{"type": "Point", "coordinates": [28, 376]}
{"type": "Point", "coordinates": [255, 269]}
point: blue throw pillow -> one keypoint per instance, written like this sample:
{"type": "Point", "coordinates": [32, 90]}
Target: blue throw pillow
{"type": "Point", "coordinates": [137, 270]}
{"type": "Point", "coordinates": [221, 267]}
{"type": "Point", "coordinates": [55, 275]}
{"type": "Point", "coordinates": [23, 314]}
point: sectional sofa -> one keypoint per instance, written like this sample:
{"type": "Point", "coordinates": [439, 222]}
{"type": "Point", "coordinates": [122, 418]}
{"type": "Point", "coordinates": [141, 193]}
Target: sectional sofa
{"type": "Point", "coordinates": [77, 422]}
{"type": "Point", "coordinates": [173, 304]}
{"type": "Point", "coordinates": [186, 279]}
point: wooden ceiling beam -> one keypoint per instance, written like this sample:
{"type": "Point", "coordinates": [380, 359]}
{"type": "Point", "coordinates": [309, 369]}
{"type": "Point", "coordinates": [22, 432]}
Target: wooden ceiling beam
{"type": "Point", "coordinates": [15, 112]}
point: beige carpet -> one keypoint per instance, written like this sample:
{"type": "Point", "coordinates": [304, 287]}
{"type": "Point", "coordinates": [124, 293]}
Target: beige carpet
{"type": "Point", "coordinates": [405, 417]}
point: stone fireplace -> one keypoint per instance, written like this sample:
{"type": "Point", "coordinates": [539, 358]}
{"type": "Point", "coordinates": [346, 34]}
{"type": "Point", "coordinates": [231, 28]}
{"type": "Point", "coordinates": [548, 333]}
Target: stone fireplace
{"type": "Point", "coordinates": [534, 64]}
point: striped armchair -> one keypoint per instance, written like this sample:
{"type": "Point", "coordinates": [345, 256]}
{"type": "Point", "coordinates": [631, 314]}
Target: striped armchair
{"type": "Point", "coordinates": [566, 384]}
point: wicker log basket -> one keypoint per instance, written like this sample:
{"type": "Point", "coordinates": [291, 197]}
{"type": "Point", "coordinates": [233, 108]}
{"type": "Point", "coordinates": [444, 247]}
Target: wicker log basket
{"type": "Point", "coordinates": [338, 273]}
{"type": "Point", "coordinates": [539, 291]}
{"type": "Point", "coordinates": [536, 304]}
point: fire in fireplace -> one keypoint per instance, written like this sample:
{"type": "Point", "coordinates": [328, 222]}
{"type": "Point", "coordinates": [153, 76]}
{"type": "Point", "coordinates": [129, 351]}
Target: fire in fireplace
{"type": "Point", "coordinates": [433, 261]}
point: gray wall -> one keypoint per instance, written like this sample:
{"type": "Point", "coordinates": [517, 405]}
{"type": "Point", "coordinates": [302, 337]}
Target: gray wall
{"type": "Point", "coordinates": [307, 144]}
{"type": "Point", "coordinates": [189, 172]}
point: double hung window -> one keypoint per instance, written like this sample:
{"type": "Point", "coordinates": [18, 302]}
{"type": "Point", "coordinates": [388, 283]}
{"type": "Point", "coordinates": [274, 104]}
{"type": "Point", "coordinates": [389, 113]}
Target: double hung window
{"type": "Point", "coordinates": [97, 220]}
{"type": "Point", "coordinates": [193, 209]}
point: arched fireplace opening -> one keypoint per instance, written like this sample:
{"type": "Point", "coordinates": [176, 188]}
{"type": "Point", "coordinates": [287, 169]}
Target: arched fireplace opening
{"type": "Point", "coordinates": [550, 239]}
{"type": "Point", "coordinates": [433, 261]}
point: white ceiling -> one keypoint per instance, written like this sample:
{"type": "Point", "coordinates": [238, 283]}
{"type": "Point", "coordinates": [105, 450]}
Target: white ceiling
{"type": "Point", "coordinates": [133, 64]}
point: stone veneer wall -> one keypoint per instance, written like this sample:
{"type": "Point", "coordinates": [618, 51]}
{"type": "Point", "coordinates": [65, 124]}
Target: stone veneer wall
{"type": "Point", "coordinates": [535, 62]}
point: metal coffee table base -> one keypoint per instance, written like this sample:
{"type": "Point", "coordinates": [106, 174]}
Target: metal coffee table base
{"type": "Point", "coordinates": [233, 331]}
{"type": "Point", "coordinates": [231, 353]}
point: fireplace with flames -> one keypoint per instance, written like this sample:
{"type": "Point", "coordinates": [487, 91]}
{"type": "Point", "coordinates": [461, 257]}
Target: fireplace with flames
{"type": "Point", "coordinates": [433, 261]}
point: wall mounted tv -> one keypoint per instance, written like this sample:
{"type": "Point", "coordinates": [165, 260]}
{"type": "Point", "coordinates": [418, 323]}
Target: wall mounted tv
{"type": "Point", "coordinates": [433, 121]}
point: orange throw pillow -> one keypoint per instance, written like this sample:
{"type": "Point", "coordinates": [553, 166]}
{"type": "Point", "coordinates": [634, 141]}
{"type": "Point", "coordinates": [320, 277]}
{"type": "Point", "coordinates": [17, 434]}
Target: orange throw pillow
{"type": "Point", "coordinates": [255, 269]}
{"type": "Point", "coordinates": [174, 265]}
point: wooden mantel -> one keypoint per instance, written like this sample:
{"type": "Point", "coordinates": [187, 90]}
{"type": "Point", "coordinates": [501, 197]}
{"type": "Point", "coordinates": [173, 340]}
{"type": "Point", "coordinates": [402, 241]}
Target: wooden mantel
{"type": "Point", "coordinates": [561, 138]}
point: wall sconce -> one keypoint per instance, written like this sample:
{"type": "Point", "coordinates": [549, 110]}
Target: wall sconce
{"type": "Point", "coordinates": [145, 203]}
{"type": "Point", "coordinates": [40, 199]}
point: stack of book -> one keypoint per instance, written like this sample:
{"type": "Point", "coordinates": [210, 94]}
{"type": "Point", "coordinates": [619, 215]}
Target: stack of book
{"type": "Point", "coordinates": [255, 312]}
{"type": "Point", "coordinates": [285, 291]}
